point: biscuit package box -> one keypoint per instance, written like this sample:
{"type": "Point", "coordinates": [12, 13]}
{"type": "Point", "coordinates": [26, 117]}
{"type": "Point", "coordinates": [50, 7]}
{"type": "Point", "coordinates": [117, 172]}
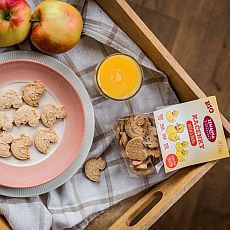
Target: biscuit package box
{"type": "Point", "coordinates": [190, 133]}
{"type": "Point", "coordinates": [137, 136]}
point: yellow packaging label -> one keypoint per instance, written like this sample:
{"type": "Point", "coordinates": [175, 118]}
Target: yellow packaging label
{"type": "Point", "coordinates": [190, 133]}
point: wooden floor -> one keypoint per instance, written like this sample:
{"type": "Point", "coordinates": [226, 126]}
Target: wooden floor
{"type": "Point", "coordinates": [197, 33]}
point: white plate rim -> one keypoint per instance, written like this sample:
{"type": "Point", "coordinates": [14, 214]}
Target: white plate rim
{"type": "Point", "coordinates": [89, 122]}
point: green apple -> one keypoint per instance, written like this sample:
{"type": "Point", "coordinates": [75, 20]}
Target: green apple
{"type": "Point", "coordinates": [14, 21]}
{"type": "Point", "coordinates": [56, 27]}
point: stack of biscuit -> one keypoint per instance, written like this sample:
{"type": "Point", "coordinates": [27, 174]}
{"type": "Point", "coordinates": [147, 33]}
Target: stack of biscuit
{"type": "Point", "coordinates": [137, 135]}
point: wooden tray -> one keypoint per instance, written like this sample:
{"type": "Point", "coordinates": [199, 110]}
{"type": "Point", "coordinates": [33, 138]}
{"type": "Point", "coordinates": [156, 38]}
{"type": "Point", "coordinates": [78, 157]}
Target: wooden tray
{"type": "Point", "coordinates": [165, 194]}
{"type": "Point", "coordinates": [168, 192]}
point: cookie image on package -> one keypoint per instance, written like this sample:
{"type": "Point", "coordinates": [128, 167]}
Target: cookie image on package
{"type": "Point", "coordinates": [32, 92]}
{"type": "Point", "coordinates": [26, 115]}
{"type": "Point", "coordinates": [44, 138]}
{"type": "Point", "coordinates": [20, 147]}
{"type": "Point", "coordinates": [6, 124]}
{"type": "Point", "coordinates": [51, 113]}
{"type": "Point", "coordinates": [5, 140]}
{"type": "Point", "coordinates": [93, 168]}
{"type": "Point", "coordinates": [10, 98]}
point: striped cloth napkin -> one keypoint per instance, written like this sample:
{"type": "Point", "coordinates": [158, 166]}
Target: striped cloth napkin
{"type": "Point", "coordinates": [79, 200]}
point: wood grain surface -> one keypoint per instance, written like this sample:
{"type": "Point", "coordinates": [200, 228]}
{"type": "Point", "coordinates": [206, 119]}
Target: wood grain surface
{"type": "Point", "coordinates": [197, 34]}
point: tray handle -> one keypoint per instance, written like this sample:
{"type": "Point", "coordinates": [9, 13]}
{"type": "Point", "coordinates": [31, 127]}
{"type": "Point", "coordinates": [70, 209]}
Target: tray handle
{"type": "Point", "coordinates": [159, 199]}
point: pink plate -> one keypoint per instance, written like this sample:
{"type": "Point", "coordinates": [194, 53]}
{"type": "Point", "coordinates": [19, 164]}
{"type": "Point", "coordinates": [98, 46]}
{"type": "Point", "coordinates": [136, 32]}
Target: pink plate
{"type": "Point", "coordinates": [41, 168]}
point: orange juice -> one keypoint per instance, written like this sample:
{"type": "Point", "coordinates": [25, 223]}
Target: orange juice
{"type": "Point", "coordinates": [119, 77]}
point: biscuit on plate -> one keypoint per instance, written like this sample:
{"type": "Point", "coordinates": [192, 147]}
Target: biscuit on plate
{"type": "Point", "coordinates": [10, 98]}
{"type": "Point", "coordinates": [50, 113]}
{"type": "Point", "coordinates": [26, 115]}
{"type": "Point", "coordinates": [5, 140]}
{"type": "Point", "coordinates": [43, 139]}
{"type": "Point", "coordinates": [20, 147]}
{"type": "Point", "coordinates": [6, 124]}
{"type": "Point", "coordinates": [32, 92]}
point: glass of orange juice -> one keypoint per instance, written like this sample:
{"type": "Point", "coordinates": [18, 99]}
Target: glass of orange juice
{"type": "Point", "coordinates": [118, 77]}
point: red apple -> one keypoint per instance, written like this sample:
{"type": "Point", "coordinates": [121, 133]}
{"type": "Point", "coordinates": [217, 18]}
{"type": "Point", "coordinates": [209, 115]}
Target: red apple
{"type": "Point", "coordinates": [14, 21]}
{"type": "Point", "coordinates": [56, 27]}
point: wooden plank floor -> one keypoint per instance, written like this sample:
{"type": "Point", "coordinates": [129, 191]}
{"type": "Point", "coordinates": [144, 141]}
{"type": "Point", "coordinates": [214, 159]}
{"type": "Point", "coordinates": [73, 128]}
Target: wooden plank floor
{"type": "Point", "coordinates": [197, 33]}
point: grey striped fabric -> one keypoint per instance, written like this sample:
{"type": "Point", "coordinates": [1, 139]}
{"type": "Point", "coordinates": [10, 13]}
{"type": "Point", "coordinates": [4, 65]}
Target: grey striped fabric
{"type": "Point", "coordinates": [79, 200]}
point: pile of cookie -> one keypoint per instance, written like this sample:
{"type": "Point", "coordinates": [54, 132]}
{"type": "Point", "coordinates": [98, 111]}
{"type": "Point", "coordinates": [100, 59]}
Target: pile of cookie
{"type": "Point", "coordinates": [137, 135]}
{"type": "Point", "coordinates": [26, 114]}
